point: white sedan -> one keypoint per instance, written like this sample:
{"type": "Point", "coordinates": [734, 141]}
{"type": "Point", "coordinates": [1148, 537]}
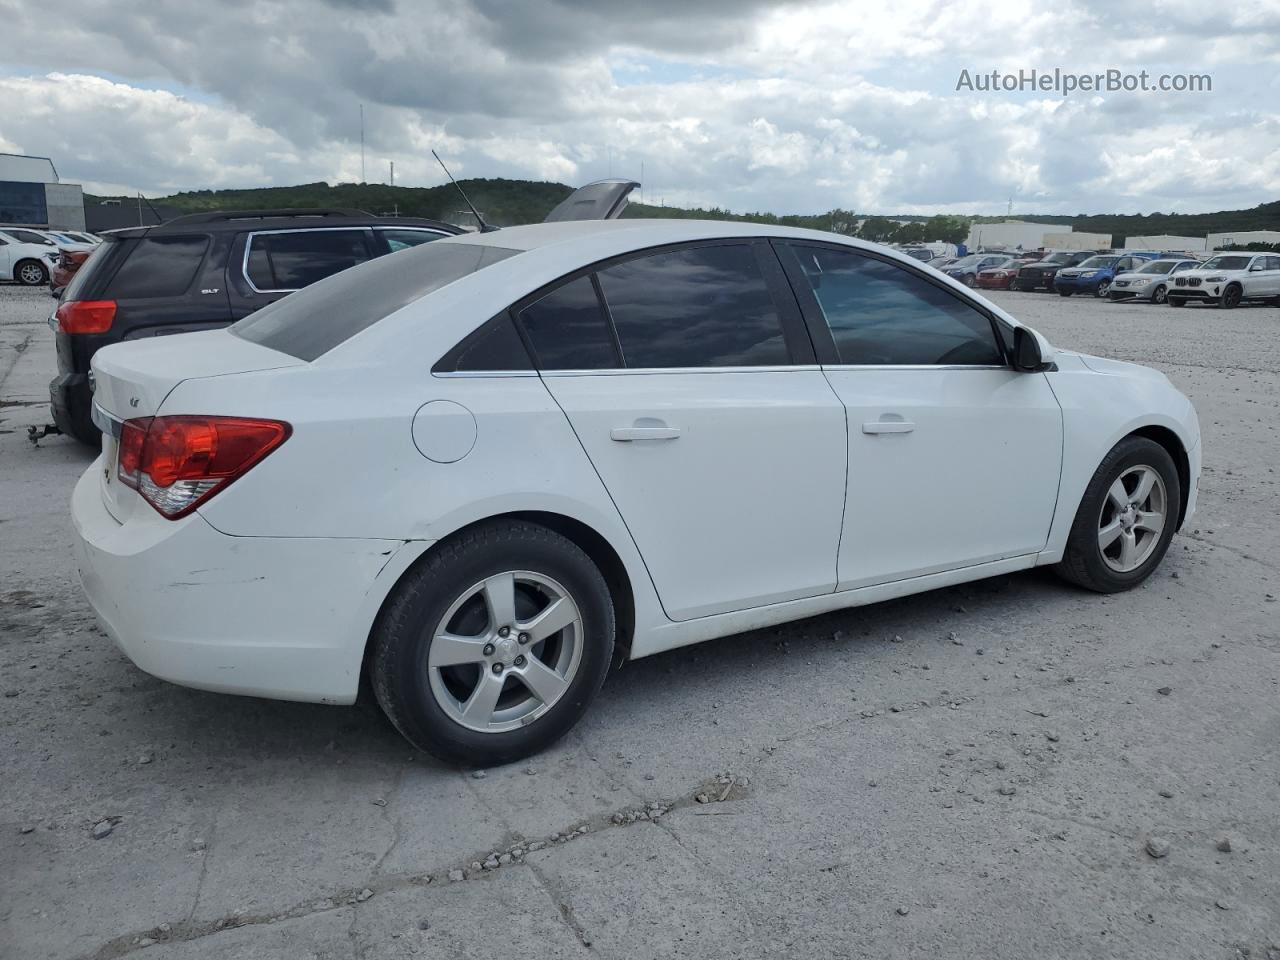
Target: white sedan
{"type": "Point", "coordinates": [481, 470]}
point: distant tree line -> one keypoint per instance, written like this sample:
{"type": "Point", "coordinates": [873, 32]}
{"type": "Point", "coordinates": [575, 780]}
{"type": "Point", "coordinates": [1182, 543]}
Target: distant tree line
{"type": "Point", "coordinates": [508, 202]}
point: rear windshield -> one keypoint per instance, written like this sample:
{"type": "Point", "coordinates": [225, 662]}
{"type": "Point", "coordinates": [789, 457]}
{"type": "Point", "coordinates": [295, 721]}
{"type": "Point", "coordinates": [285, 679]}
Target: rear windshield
{"type": "Point", "coordinates": [81, 277]}
{"type": "Point", "coordinates": [317, 318]}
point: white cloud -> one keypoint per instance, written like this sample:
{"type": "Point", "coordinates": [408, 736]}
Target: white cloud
{"type": "Point", "coordinates": [778, 106]}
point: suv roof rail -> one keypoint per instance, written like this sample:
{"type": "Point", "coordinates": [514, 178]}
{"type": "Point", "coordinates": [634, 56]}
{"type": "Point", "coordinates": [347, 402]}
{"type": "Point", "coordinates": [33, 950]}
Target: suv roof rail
{"type": "Point", "coordinates": [218, 216]}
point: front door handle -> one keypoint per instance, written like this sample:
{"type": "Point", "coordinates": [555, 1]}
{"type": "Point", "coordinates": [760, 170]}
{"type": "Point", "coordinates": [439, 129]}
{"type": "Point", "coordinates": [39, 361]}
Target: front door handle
{"type": "Point", "coordinates": [888, 426]}
{"type": "Point", "coordinates": [627, 434]}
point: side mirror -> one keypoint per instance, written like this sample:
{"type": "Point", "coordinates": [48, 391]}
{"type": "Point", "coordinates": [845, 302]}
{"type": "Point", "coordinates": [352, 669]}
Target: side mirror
{"type": "Point", "coordinates": [1026, 351]}
{"type": "Point", "coordinates": [1256, 267]}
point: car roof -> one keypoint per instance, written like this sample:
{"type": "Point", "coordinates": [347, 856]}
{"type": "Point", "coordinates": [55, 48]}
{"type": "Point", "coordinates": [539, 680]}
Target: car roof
{"type": "Point", "coordinates": [645, 232]}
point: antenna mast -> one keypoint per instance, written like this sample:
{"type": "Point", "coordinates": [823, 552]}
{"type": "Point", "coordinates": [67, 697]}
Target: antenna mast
{"type": "Point", "coordinates": [362, 143]}
{"type": "Point", "coordinates": [484, 227]}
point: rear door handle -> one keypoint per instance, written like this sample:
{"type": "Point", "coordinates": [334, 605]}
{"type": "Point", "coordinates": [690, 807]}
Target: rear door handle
{"type": "Point", "coordinates": [627, 434]}
{"type": "Point", "coordinates": [888, 426]}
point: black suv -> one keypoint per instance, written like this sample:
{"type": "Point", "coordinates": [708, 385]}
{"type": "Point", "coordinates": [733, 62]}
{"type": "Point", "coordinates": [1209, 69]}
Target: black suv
{"type": "Point", "coordinates": [1039, 275]}
{"type": "Point", "coordinates": [200, 272]}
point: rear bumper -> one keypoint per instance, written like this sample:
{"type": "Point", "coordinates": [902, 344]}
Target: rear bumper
{"type": "Point", "coordinates": [285, 618]}
{"type": "Point", "coordinates": [70, 402]}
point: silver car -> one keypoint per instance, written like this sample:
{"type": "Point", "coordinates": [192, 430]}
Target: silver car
{"type": "Point", "coordinates": [1151, 281]}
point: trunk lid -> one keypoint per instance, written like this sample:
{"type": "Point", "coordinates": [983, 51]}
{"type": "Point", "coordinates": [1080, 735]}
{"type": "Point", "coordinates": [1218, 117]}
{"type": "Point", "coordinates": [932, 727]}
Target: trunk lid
{"type": "Point", "coordinates": [132, 379]}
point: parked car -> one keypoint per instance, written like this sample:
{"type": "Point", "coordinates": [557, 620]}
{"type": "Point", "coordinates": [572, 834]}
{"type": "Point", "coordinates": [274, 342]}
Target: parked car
{"type": "Point", "coordinates": [1001, 277]}
{"type": "Point", "coordinates": [200, 272]}
{"type": "Point", "coordinates": [1095, 274]}
{"type": "Point", "coordinates": [67, 241]}
{"type": "Point", "coordinates": [26, 256]}
{"type": "Point", "coordinates": [1039, 275]}
{"type": "Point", "coordinates": [966, 269]}
{"type": "Point", "coordinates": [1228, 280]}
{"type": "Point", "coordinates": [1151, 280]}
{"type": "Point", "coordinates": [485, 468]}
{"type": "Point", "coordinates": [65, 267]}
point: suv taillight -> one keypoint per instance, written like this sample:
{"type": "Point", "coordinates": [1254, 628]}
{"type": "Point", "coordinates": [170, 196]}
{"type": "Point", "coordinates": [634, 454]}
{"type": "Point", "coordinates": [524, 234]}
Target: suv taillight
{"type": "Point", "coordinates": [177, 463]}
{"type": "Point", "coordinates": [86, 316]}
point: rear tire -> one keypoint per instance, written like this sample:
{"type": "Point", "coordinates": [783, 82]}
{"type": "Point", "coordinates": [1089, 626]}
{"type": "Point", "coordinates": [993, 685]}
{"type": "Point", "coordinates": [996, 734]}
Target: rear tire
{"type": "Point", "coordinates": [1100, 520]}
{"type": "Point", "coordinates": [30, 273]}
{"type": "Point", "coordinates": [457, 594]}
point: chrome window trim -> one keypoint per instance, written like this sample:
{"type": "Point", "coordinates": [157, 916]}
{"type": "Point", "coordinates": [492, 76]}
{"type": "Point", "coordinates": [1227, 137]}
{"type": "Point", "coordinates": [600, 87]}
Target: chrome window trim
{"type": "Point", "coordinates": [629, 371]}
{"type": "Point", "coordinates": [248, 245]}
{"type": "Point", "coordinates": [916, 366]}
{"type": "Point", "coordinates": [106, 422]}
{"type": "Point", "coordinates": [483, 374]}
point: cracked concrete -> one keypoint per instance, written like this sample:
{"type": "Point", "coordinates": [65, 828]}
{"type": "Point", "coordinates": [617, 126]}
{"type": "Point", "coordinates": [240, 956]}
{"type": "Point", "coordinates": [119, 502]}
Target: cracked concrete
{"type": "Point", "coordinates": [873, 768]}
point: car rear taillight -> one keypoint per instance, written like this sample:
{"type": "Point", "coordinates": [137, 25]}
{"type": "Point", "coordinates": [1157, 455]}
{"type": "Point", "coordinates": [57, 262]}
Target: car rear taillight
{"type": "Point", "coordinates": [177, 463]}
{"type": "Point", "coordinates": [86, 316]}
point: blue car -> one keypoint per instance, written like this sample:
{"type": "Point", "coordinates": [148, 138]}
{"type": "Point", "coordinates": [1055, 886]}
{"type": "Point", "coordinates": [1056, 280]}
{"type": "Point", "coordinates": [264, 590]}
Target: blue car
{"type": "Point", "coordinates": [1095, 274]}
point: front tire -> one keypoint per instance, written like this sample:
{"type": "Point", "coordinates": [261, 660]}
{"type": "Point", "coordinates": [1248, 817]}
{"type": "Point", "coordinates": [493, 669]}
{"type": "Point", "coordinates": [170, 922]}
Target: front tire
{"type": "Point", "coordinates": [1231, 297]}
{"type": "Point", "coordinates": [1160, 294]}
{"type": "Point", "coordinates": [494, 646]}
{"type": "Point", "coordinates": [1064, 293]}
{"type": "Point", "coordinates": [1102, 289]}
{"type": "Point", "coordinates": [31, 273]}
{"type": "Point", "coordinates": [1126, 518]}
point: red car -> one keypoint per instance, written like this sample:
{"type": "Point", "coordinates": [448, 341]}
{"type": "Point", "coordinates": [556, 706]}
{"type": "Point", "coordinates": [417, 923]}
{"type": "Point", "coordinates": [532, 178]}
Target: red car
{"type": "Point", "coordinates": [64, 268]}
{"type": "Point", "coordinates": [999, 278]}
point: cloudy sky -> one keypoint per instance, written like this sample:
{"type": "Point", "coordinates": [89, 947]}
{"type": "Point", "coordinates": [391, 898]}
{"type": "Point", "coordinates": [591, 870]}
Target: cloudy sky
{"type": "Point", "coordinates": [744, 104]}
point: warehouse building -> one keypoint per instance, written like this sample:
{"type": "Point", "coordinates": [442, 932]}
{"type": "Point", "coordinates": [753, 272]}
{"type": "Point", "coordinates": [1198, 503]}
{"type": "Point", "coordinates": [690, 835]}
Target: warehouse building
{"type": "Point", "coordinates": [1242, 237]}
{"type": "Point", "coordinates": [1012, 235]}
{"type": "Point", "coordinates": [32, 194]}
{"type": "Point", "coordinates": [1165, 242]}
{"type": "Point", "coordinates": [1073, 240]}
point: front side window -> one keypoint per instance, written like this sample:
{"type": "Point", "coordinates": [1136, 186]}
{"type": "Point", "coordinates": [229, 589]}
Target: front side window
{"type": "Point", "coordinates": [30, 236]}
{"type": "Point", "coordinates": [158, 267]}
{"type": "Point", "coordinates": [703, 306]}
{"type": "Point", "coordinates": [1158, 266]}
{"type": "Point", "coordinates": [298, 258]}
{"type": "Point", "coordinates": [1227, 263]}
{"type": "Point", "coordinates": [398, 238]}
{"type": "Point", "coordinates": [883, 314]}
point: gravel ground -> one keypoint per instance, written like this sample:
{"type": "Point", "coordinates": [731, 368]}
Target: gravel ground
{"type": "Point", "coordinates": [1071, 776]}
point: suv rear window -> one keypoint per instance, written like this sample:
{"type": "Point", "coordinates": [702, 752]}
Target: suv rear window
{"type": "Point", "coordinates": [313, 321]}
{"type": "Point", "coordinates": [158, 267]}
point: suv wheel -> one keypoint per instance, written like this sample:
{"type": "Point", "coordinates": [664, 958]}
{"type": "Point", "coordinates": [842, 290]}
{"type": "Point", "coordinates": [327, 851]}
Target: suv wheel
{"type": "Point", "coordinates": [31, 273]}
{"type": "Point", "coordinates": [1231, 296]}
{"type": "Point", "coordinates": [1102, 289]}
{"type": "Point", "coordinates": [1126, 518]}
{"type": "Point", "coordinates": [493, 647]}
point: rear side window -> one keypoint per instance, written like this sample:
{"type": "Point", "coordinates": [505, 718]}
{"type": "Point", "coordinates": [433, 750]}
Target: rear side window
{"type": "Point", "coordinates": [298, 258]}
{"type": "Point", "coordinates": [399, 238]}
{"type": "Point", "coordinates": [568, 329]}
{"type": "Point", "coordinates": [158, 267]}
{"type": "Point", "coordinates": [706, 306]}
{"type": "Point", "coordinates": [313, 321]}
{"type": "Point", "coordinates": [882, 314]}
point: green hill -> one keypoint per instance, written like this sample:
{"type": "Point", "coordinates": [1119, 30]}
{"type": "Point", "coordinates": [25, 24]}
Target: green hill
{"type": "Point", "coordinates": [508, 202]}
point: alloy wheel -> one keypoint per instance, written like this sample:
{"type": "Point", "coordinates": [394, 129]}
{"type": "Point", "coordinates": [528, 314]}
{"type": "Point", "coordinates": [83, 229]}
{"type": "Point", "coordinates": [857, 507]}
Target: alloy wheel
{"type": "Point", "coordinates": [505, 652]}
{"type": "Point", "coordinates": [30, 274]}
{"type": "Point", "coordinates": [1103, 288]}
{"type": "Point", "coordinates": [1132, 518]}
{"type": "Point", "coordinates": [1160, 295]}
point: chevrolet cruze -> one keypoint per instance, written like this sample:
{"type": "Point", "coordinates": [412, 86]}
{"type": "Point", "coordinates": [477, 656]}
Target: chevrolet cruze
{"type": "Point", "coordinates": [481, 471]}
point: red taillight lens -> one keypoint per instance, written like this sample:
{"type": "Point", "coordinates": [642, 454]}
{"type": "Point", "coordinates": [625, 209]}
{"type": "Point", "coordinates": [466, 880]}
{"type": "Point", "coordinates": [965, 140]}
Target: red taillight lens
{"type": "Point", "coordinates": [129, 462]}
{"type": "Point", "coordinates": [177, 463]}
{"type": "Point", "coordinates": [86, 316]}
